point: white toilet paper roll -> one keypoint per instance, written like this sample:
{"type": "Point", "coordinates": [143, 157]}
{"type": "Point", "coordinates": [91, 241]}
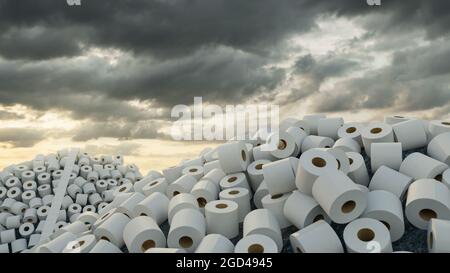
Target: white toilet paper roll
{"type": "Point", "coordinates": [13, 182]}
{"type": "Point", "coordinates": [209, 166]}
{"type": "Point", "coordinates": [387, 154]}
{"type": "Point", "coordinates": [255, 172]}
{"type": "Point", "coordinates": [262, 221]}
{"type": "Point", "coordinates": [18, 208]}
{"type": "Point", "coordinates": [74, 209]}
{"type": "Point", "coordinates": [279, 176]}
{"type": "Point", "coordinates": [7, 204]}
{"type": "Point", "coordinates": [3, 191]}
{"type": "Point", "coordinates": [233, 157]}
{"type": "Point", "coordinates": [302, 210]}
{"type": "Point", "coordinates": [187, 229]}
{"type": "Point", "coordinates": [18, 245]}
{"type": "Point", "coordinates": [30, 186]}
{"type": "Point", "coordinates": [275, 204]}
{"type": "Point", "coordinates": [215, 243]}
{"type": "Point", "coordinates": [165, 250]}
{"type": "Point", "coordinates": [127, 206]}
{"type": "Point", "coordinates": [222, 217]}
{"type": "Point", "coordinates": [328, 127]}
{"type": "Point", "coordinates": [313, 122]}
{"type": "Point", "coordinates": [143, 233]}
{"type": "Point", "coordinates": [311, 142]}
{"type": "Point", "coordinates": [313, 163]}
{"type": "Point", "coordinates": [343, 162]}
{"type": "Point", "coordinates": [101, 185]}
{"type": "Point", "coordinates": [262, 152]}
{"type": "Point", "coordinates": [88, 218]}
{"type": "Point", "coordinates": [205, 191]}
{"type": "Point", "coordinates": [390, 180]}
{"type": "Point", "coordinates": [318, 237]}
{"type": "Point", "coordinates": [446, 178]}
{"type": "Point", "coordinates": [294, 123]}
{"type": "Point", "coordinates": [179, 202]}
{"type": "Point", "coordinates": [103, 246]}
{"type": "Point", "coordinates": [298, 135]}
{"type": "Point", "coordinates": [256, 243]}
{"type": "Point", "coordinates": [241, 196]}
{"type": "Point", "coordinates": [233, 181]}
{"type": "Point", "coordinates": [387, 208]}
{"type": "Point", "coordinates": [89, 188]}
{"type": "Point", "coordinates": [82, 199]}
{"type": "Point", "coordinates": [13, 222]}
{"type": "Point", "coordinates": [366, 235]}
{"type": "Point", "coordinates": [439, 148]}
{"type": "Point", "coordinates": [437, 127]}
{"type": "Point", "coordinates": [155, 205]}
{"type": "Point", "coordinates": [411, 134]}
{"type": "Point", "coordinates": [285, 147]}
{"type": "Point", "coordinates": [58, 244]}
{"type": "Point", "coordinates": [157, 185]}
{"type": "Point", "coordinates": [30, 216]}
{"type": "Point", "coordinates": [438, 240]}
{"type": "Point", "coordinates": [77, 228]}
{"type": "Point", "coordinates": [35, 202]}
{"type": "Point", "coordinates": [7, 236]}
{"type": "Point", "coordinates": [28, 176]}
{"type": "Point", "coordinates": [427, 199]}
{"type": "Point", "coordinates": [95, 199]}
{"type": "Point", "coordinates": [26, 229]}
{"type": "Point", "coordinates": [83, 244]}
{"type": "Point", "coordinates": [124, 188]}
{"type": "Point", "coordinates": [394, 119]}
{"type": "Point", "coordinates": [184, 184]}
{"type": "Point", "coordinates": [351, 130]}
{"type": "Point", "coordinates": [339, 197]}
{"type": "Point", "coordinates": [14, 193]}
{"type": "Point", "coordinates": [42, 212]}
{"type": "Point", "coordinates": [375, 133]}
{"type": "Point", "coordinates": [173, 173]}
{"type": "Point", "coordinates": [112, 229]}
{"type": "Point", "coordinates": [429, 167]}
{"type": "Point", "coordinates": [358, 170]}
{"type": "Point", "coordinates": [195, 170]}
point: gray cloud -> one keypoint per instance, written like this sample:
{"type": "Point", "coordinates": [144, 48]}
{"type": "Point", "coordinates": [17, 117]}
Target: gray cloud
{"type": "Point", "coordinates": [21, 137]}
{"type": "Point", "coordinates": [7, 115]}
{"type": "Point", "coordinates": [123, 148]}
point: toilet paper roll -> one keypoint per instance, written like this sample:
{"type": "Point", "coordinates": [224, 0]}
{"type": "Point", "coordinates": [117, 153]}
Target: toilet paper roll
{"type": "Point", "coordinates": [262, 152]}
{"type": "Point", "coordinates": [318, 237]}
{"type": "Point", "coordinates": [311, 142]}
{"type": "Point", "coordinates": [101, 185]}
{"type": "Point", "coordinates": [222, 217]}
{"type": "Point", "coordinates": [438, 240]}
{"type": "Point", "coordinates": [89, 188]}
{"type": "Point", "coordinates": [255, 173]}
{"type": "Point", "coordinates": [125, 181]}
{"type": "Point", "coordinates": [165, 250]}
{"type": "Point", "coordinates": [88, 218]}
{"type": "Point", "coordinates": [101, 206]}
{"type": "Point", "coordinates": [375, 133]}
{"type": "Point", "coordinates": [95, 199]}
{"type": "Point", "coordinates": [437, 127]}
{"type": "Point", "coordinates": [3, 191]}
{"type": "Point", "coordinates": [279, 176]}
{"type": "Point", "coordinates": [155, 205]}
{"type": "Point", "coordinates": [7, 236]}
{"type": "Point", "coordinates": [35, 203]}
{"type": "Point", "coordinates": [215, 176]}
{"type": "Point", "coordinates": [82, 199]}
{"type": "Point", "coordinates": [59, 225]}
{"type": "Point", "coordinates": [347, 144]}
{"type": "Point", "coordinates": [157, 185]}
{"type": "Point", "coordinates": [124, 188]}
{"type": "Point", "coordinates": [259, 194]}
{"type": "Point", "coordinates": [73, 190]}
{"type": "Point", "coordinates": [79, 181]}
{"type": "Point", "coordinates": [28, 176]}
{"type": "Point", "coordinates": [298, 135]}
{"type": "Point", "coordinates": [241, 196]}
{"type": "Point", "coordinates": [313, 122]}
{"type": "Point", "coordinates": [351, 130]}
{"type": "Point", "coordinates": [411, 134]}
{"type": "Point", "coordinates": [14, 193]}
{"type": "Point", "coordinates": [193, 162]}
{"type": "Point", "coordinates": [30, 216]}
{"type": "Point", "coordinates": [387, 154]}
{"type": "Point", "coordinates": [103, 246]}
{"type": "Point", "coordinates": [13, 222]}
{"type": "Point", "coordinates": [195, 170]}
{"type": "Point", "coordinates": [211, 166]}
{"type": "Point", "coordinates": [394, 119]}
{"type": "Point", "coordinates": [18, 245]}
{"type": "Point", "coordinates": [339, 197]}
{"type": "Point", "coordinates": [74, 217]}
{"type": "Point", "coordinates": [143, 233]}
{"type": "Point", "coordinates": [275, 204]}
{"type": "Point", "coordinates": [30, 186]}
{"type": "Point", "coordinates": [66, 202]}
{"type": "Point", "coordinates": [294, 123]}
{"type": "Point", "coordinates": [74, 209]}
{"type": "Point", "coordinates": [76, 228]}
{"type": "Point", "coordinates": [439, 148]}
{"type": "Point", "coordinates": [187, 229]}
{"type": "Point", "coordinates": [104, 174]}
{"type": "Point", "coordinates": [18, 208]}
{"type": "Point", "coordinates": [7, 204]}
{"type": "Point", "coordinates": [179, 202]}
{"type": "Point", "coordinates": [446, 178]}
{"type": "Point", "coordinates": [92, 177]}
{"type": "Point", "coordinates": [173, 173]}
{"type": "Point", "coordinates": [184, 184]}
{"type": "Point", "coordinates": [115, 174]}
{"type": "Point", "coordinates": [429, 167]}
{"type": "Point", "coordinates": [56, 175]}
{"type": "Point", "coordinates": [302, 210]}
{"type": "Point", "coordinates": [127, 206]}
{"type": "Point", "coordinates": [343, 163]}
{"type": "Point", "coordinates": [427, 199]}
{"type": "Point", "coordinates": [19, 169]}
{"type": "Point", "coordinates": [390, 180]}
{"type": "Point", "coordinates": [58, 244]}
{"type": "Point", "coordinates": [112, 229]}
{"type": "Point", "coordinates": [83, 244]}
{"type": "Point", "coordinates": [205, 191]}
{"type": "Point", "coordinates": [366, 235]}
{"type": "Point", "coordinates": [285, 144]}
{"type": "Point", "coordinates": [358, 170]}
{"type": "Point", "coordinates": [328, 127]}
{"type": "Point", "coordinates": [262, 221]}
{"type": "Point", "coordinates": [387, 208]}
{"type": "Point", "coordinates": [233, 181]}
{"type": "Point", "coordinates": [313, 163]}
{"type": "Point", "coordinates": [34, 240]}
{"type": "Point", "coordinates": [44, 178]}
{"type": "Point", "coordinates": [3, 216]}
{"type": "Point", "coordinates": [256, 243]}
{"type": "Point", "coordinates": [233, 157]}
{"type": "Point", "coordinates": [26, 229]}
{"type": "Point", "coordinates": [215, 243]}
{"type": "Point", "coordinates": [42, 212]}
{"type": "Point", "coordinates": [112, 183]}
{"type": "Point", "coordinates": [40, 226]}
{"type": "Point", "coordinates": [13, 182]}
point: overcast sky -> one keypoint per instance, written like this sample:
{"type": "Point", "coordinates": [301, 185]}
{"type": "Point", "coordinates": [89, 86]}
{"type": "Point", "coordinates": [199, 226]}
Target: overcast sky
{"type": "Point", "coordinates": [105, 75]}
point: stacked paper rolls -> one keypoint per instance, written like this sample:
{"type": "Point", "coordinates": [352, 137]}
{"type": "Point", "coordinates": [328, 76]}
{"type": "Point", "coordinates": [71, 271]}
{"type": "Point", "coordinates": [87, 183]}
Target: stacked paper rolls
{"type": "Point", "coordinates": [143, 233]}
{"type": "Point", "coordinates": [438, 127]}
{"type": "Point", "coordinates": [157, 185]}
{"type": "Point", "coordinates": [318, 237]}
{"type": "Point", "coordinates": [285, 145]}
{"type": "Point", "coordinates": [156, 206]}
{"type": "Point", "coordinates": [205, 191]}
{"type": "Point", "coordinates": [112, 229]}
{"type": "Point", "coordinates": [375, 133]}
{"type": "Point", "coordinates": [222, 217]}
{"type": "Point", "coordinates": [187, 229]}
{"type": "Point", "coordinates": [234, 180]}
{"type": "Point", "coordinates": [259, 194]}
{"type": "Point", "coordinates": [298, 136]}
{"type": "Point", "coordinates": [262, 221]}
{"type": "Point", "coordinates": [195, 170]}
{"type": "Point", "coordinates": [83, 244]}
{"type": "Point", "coordinates": [184, 184]}
{"type": "Point", "coordinates": [394, 119]}
{"type": "Point", "coordinates": [366, 235]}
{"type": "Point", "coordinates": [241, 196]}
{"type": "Point", "coordinates": [179, 202]}
{"type": "Point", "coordinates": [313, 122]}
{"type": "Point", "coordinates": [347, 144]}
{"type": "Point", "coordinates": [351, 130]}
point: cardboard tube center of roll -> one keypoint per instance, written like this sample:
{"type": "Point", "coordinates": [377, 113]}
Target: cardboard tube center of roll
{"type": "Point", "coordinates": [176, 193]}
{"type": "Point", "coordinates": [104, 216]}
{"type": "Point", "coordinates": [259, 166]}
{"type": "Point", "coordinates": [348, 206]}
{"type": "Point", "coordinates": [147, 245]}
{"type": "Point", "coordinates": [366, 234]}
{"type": "Point", "coordinates": [23, 210]}
{"type": "Point", "coordinates": [255, 248]}
{"type": "Point", "coordinates": [299, 250]}
{"type": "Point", "coordinates": [447, 123]}
{"type": "Point", "coordinates": [319, 162]}
{"type": "Point", "coordinates": [351, 130]}
{"type": "Point", "coordinates": [78, 244]}
{"type": "Point", "coordinates": [13, 192]}
{"type": "Point", "coordinates": [193, 170]}
{"type": "Point", "coordinates": [233, 192]}
{"type": "Point", "coordinates": [185, 242]}
{"type": "Point", "coordinates": [399, 117]}
{"type": "Point", "coordinates": [29, 185]}
{"type": "Point", "coordinates": [318, 218]}
{"type": "Point", "coordinates": [276, 196]}
{"type": "Point", "coordinates": [243, 155]}
{"type": "Point", "coordinates": [339, 164]}
{"type": "Point", "coordinates": [427, 214]}
{"type": "Point", "coordinates": [28, 194]}
{"type": "Point", "coordinates": [87, 223]}
{"type": "Point", "coordinates": [232, 179]}
{"type": "Point", "coordinates": [44, 211]}
{"type": "Point", "coordinates": [26, 228]}
{"type": "Point", "coordinates": [376, 130]}
{"type": "Point", "coordinates": [122, 189]}
{"type": "Point", "coordinates": [105, 238]}
{"type": "Point", "coordinates": [430, 240]}
{"type": "Point", "coordinates": [201, 202]}
{"type": "Point", "coordinates": [438, 177]}
{"type": "Point", "coordinates": [154, 183]}
{"type": "Point", "coordinates": [143, 214]}
{"type": "Point", "coordinates": [282, 144]}
{"type": "Point", "coordinates": [221, 206]}
{"type": "Point", "coordinates": [350, 160]}
{"type": "Point", "coordinates": [30, 220]}
{"type": "Point", "coordinates": [386, 224]}
{"type": "Point", "coordinates": [327, 147]}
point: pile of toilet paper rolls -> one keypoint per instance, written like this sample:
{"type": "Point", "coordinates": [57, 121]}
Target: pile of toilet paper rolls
{"type": "Point", "coordinates": [328, 186]}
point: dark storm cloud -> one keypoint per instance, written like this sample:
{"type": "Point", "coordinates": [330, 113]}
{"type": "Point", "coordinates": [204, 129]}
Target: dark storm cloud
{"type": "Point", "coordinates": [21, 137]}
{"type": "Point", "coordinates": [7, 115]}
